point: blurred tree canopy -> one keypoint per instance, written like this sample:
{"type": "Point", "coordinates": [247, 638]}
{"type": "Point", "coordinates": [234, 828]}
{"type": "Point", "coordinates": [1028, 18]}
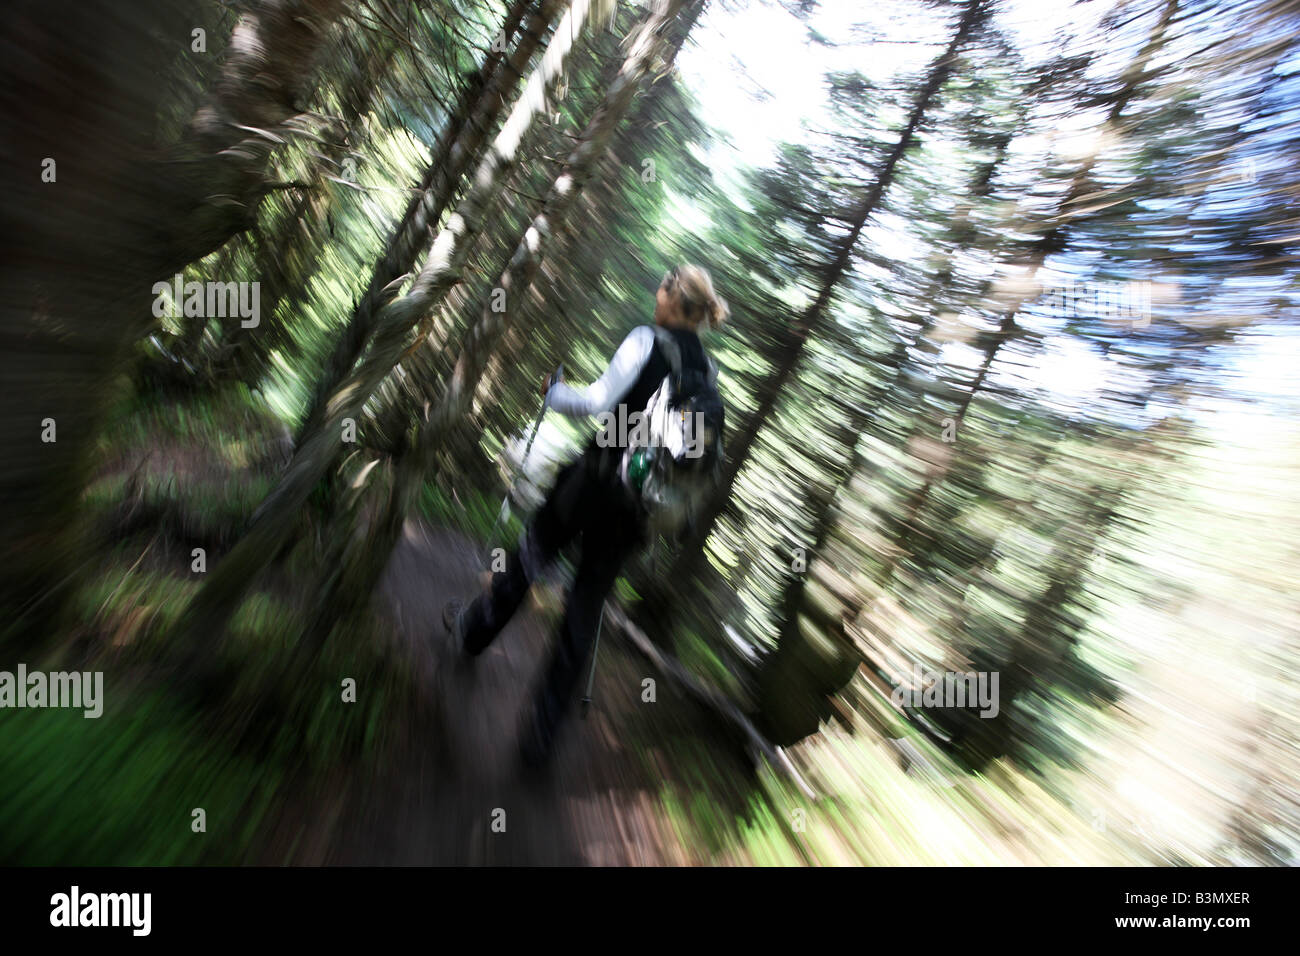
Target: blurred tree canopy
{"type": "Point", "coordinates": [980, 303]}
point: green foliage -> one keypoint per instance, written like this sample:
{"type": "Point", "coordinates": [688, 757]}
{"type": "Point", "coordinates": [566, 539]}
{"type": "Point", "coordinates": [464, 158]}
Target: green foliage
{"type": "Point", "coordinates": [974, 478]}
{"type": "Point", "coordinates": [119, 790]}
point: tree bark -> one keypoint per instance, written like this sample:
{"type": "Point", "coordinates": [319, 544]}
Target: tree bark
{"type": "Point", "coordinates": [83, 250]}
{"type": "Point", "coordinates": [659, 611]}
{"type": "Point", "coordinates": [272, 525]}
{"type": "Point", "coordinates": [459, 148]}
{"type": "Point", "coordinates": [654, 46]}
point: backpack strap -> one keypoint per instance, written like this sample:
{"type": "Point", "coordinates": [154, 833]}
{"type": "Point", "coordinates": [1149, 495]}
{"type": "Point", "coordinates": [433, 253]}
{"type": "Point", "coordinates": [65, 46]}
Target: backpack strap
{"type": "Point", "coordinates": [670, 350]}
{"type": "Point", "coordinates": [672, 353]}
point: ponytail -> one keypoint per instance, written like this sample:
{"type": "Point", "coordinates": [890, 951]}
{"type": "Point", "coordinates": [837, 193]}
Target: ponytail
{"type": "Point", "coordinates": [701, 305]}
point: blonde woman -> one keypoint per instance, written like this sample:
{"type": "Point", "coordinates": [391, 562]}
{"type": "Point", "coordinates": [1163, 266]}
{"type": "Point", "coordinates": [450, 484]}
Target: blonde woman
{"type": "Point", "coordinates": [588, 500]}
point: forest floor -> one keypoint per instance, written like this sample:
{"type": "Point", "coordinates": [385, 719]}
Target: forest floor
{"type": "Point", "coordinates": [638, 783]}
{"type": "Point", "coordinates": [420, 768]}
{"type": "Point", "coordinates": [463, 797]}
{"type": "Point", "coordinates": [423, 768]}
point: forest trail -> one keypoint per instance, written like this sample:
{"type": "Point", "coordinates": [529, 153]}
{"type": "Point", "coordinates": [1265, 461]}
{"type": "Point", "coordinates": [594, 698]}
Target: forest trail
{"type": "Point", "coordinates": [437, 805]}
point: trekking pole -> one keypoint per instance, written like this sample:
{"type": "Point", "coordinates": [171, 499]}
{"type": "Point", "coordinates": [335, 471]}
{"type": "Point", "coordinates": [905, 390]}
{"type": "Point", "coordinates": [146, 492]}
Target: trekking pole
{"type": "Point", "coordinates": [591, 677]}
{"type": "Point", "coordinates": [537, 423]}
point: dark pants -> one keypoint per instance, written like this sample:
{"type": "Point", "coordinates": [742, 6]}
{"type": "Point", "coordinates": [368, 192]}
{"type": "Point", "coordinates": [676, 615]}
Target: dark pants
{"type": "Point", "coordinates": [581, 503]}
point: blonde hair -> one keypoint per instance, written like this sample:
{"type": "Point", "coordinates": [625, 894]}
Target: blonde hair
{"type": "Point", "coordinates": [700, 304]}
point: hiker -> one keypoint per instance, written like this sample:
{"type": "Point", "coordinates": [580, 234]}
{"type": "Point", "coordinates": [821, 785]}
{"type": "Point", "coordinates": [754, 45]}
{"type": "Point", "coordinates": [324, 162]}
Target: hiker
{"type": "Point", "coordinates": [591, 498]}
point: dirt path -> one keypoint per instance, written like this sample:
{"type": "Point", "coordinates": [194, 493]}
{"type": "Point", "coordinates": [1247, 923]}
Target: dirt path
{"type": "Point", "coordinates": [594, 805]}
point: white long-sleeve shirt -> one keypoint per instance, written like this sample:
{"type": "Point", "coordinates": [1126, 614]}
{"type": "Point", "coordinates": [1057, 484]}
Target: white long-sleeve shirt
{"type": "Point", "coordinates": [603, 394]}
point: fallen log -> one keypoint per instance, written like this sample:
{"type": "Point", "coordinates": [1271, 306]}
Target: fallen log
{"type": "Point", "coordinates": [670, 666]}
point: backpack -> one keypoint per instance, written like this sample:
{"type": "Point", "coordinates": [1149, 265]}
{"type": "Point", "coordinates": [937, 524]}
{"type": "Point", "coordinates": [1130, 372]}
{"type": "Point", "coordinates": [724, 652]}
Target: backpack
{"type": "Point", "coordinates": [671, 466]}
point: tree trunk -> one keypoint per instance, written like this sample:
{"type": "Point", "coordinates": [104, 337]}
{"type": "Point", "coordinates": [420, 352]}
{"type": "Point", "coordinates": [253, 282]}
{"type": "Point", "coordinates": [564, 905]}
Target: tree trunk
{"type": "Point", "coordinates": [1052, 241]}
{"type": "Point", "coordinates": [286, 261]}
{"type": "Point", "coordinates": [273, 523]}
{"type": "Point", "coordinates": [84, 249]}
{"type": "Point", "coordinates": [654, 46]}
{"type": "Point", "coordinates": [460, 146]}
{"type": "Point", "coordinates": [658, 610]}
